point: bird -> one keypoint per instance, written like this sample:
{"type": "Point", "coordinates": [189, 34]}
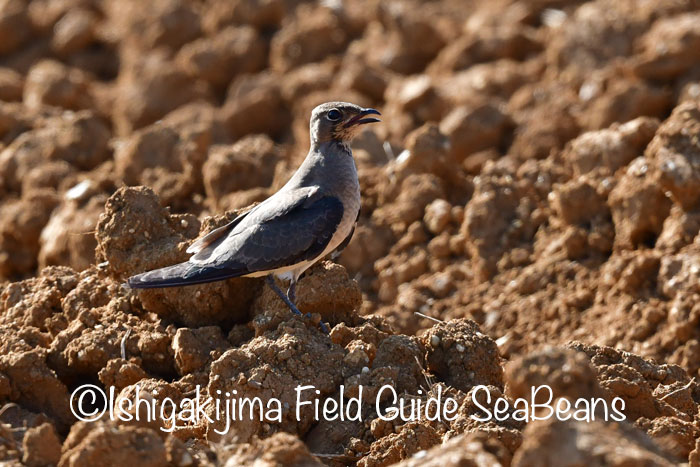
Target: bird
{"type": "Point", "coordinates": [312, 215]}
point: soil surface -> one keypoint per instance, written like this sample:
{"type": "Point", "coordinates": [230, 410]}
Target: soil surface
{"type": "Point", "coordinates": [530, 216]}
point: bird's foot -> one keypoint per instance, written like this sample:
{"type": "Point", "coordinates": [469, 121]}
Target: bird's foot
{"type": "Point", "coordinates": [286, 299]}
{"type": "Point", "coordinates": [294, 309]}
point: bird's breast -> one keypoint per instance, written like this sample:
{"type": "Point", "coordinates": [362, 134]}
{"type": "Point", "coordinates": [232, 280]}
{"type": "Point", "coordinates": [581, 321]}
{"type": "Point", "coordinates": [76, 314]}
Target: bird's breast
{"type": "Point", "coordinates": [351, 199]}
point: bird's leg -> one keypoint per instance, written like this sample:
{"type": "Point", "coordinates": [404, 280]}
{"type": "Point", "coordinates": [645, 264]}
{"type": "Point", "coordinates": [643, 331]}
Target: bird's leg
{"type": "Point", "coordinates": [292, 291]}
{"type": "Point", "coordinates": [282, 295]}
{"type": "Point", "coordinates": [290, 297]}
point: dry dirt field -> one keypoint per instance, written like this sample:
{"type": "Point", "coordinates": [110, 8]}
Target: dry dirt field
{"type": "Point", "coordinates": [533, 192]}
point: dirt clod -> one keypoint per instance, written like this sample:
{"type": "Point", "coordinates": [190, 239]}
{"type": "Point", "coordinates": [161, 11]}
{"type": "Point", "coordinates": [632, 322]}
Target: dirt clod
{"type": "Point", "coordinates": [41, 446]}
{"type": "Point", "coordinates": [462, 356]}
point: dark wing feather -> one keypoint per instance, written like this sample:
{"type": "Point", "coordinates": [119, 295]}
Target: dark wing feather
{"type": "Point", "coordinates": [183, 274]}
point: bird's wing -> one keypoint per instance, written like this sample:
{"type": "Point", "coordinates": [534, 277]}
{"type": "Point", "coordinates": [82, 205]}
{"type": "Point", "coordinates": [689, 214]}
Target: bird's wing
{"type": "Point", "coordinates": [299, 230]}
{"type": "Point", "coordinates": [218, 242]}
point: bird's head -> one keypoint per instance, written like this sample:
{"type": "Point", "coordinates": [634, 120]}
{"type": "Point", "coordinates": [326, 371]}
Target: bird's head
{"type": "Point", "coordinates": [339, 121]}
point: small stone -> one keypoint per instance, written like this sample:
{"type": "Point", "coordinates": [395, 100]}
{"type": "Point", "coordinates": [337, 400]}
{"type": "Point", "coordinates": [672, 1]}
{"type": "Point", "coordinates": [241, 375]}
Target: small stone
{"type": "Point", "coordinates": [437, 216]}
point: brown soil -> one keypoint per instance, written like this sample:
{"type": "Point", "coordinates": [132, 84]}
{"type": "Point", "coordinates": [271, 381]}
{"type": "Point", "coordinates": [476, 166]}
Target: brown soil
{"type": "Point", "coordinates": [534, 187]}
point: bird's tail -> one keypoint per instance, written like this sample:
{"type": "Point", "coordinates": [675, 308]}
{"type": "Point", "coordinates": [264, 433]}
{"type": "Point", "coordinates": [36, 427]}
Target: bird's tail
{"type": "Point", "coordinates": [180, 274]}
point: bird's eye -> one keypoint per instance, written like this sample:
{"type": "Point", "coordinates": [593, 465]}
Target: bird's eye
{"type": "Point", "coordinates": [334, 115]}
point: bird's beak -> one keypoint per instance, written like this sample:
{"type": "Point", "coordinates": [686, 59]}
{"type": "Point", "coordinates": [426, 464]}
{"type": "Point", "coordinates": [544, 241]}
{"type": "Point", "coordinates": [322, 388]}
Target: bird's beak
{"type": "Point", "coordinates": [359, 120]}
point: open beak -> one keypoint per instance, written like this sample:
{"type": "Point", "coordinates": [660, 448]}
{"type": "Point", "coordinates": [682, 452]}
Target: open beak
{"type": "Point", "coordinates": [360, 120]}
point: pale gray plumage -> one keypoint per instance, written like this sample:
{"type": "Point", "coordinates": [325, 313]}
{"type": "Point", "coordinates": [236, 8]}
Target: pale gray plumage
{"type": "Point", "coordinates": [308, 218]}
